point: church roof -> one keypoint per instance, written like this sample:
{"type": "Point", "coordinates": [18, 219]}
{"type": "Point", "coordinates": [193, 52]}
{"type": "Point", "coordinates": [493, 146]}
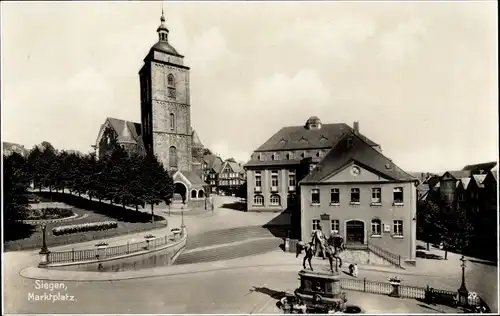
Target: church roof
{"type": "Point", "coordinates": [122, 126]}
{"type": "Point", "coordinates": [196, 140]}
{"type": "Point", "coordinates": [166, 48]}
{"type": "Point", "coordinates": [359, 151]}
{"type": "Point", "coordinates": [299, 137]}
{"type": "Point", "coordinates": [126, 136]}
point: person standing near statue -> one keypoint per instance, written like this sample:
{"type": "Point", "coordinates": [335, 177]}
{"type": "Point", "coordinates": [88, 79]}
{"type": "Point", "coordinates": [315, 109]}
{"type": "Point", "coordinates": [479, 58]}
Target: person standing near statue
{"type": "Point", "coordinates": [318, 240]}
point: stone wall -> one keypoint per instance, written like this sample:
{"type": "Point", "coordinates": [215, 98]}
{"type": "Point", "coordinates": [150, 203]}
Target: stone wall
{"type": "Point", "coordinates": [182, 143]}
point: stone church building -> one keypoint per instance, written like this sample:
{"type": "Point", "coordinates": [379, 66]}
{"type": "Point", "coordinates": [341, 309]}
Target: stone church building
{"type": "Point", "coordinates": [165, 127]}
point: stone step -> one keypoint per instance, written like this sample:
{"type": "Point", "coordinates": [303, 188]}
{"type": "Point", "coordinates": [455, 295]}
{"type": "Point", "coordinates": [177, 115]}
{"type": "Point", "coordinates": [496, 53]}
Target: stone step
{"type": "Point", "coordinates": [224, 236]}
{"type": "Point", "coordinates": [228, 252]}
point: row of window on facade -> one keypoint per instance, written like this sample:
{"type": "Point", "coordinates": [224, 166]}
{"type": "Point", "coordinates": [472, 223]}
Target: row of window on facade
{"type": "Point", "coordinates": [229, 182]}
{"type": "Point", "coordinates": [274, 200]}
{"type": "Point", "coordinates": [275, 178]}
{"type": "Point", "coordinates": [355, 197]}
{"type": "Point", "coordinates": [229, 175]}
{"type": "Point", "coordinates": [376, 227]}
{"type": "Point", "coordinates": [291, 155]}
{"type": "Point", "coordinates": [461, 196]}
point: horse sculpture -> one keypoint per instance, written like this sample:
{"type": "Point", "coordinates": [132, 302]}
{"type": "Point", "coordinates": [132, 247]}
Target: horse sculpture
{"type": "Point", "coordinates": [334, 246]}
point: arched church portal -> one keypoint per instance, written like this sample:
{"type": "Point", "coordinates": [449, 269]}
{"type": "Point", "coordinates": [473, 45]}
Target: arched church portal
{"type": "Point", "coordinates": [180, 191]}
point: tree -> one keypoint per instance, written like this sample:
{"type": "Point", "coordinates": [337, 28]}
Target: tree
{"type": "Point", "coordinates": [157, 183]}
{"type": "Point", "coordinates": [428, 221]}
{"type": "Point", "coordinates": [456, 229]}
{"type": "Point", "coordinates": [48, 164]}
{"type": "Point", "coordinates": [135, 185]}
{"type": "Point", "coordinates": [15, 185]}
{"type": "Point", "coordinates": [241, 192]}
{"type": "Point", "coordinates": [34, 165]}
{"type": "Point", "coordinates": [207, 151]}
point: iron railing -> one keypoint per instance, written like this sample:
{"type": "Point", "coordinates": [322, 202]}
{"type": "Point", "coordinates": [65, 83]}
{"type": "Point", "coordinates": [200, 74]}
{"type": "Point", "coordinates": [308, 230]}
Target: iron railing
{"type": "Point", "coordinates": [114, 251]}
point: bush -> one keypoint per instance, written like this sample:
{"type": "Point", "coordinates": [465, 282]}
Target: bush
{"type": "Point", "coordinates": [49, 213]}
{"type": "Point", "coordinates": [78, 228]}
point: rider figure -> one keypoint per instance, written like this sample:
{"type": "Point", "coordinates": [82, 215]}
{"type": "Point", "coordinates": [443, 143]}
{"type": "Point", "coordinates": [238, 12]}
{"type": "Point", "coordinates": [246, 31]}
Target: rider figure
{"type": "Point", "coordinates": [318, 240]}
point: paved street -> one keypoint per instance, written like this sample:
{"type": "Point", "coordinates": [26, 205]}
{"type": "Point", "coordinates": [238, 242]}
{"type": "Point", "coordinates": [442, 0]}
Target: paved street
{"type": "Point", "coordinates": [225, 291]}
{"type": "Point", "coordinates": [190, 287]}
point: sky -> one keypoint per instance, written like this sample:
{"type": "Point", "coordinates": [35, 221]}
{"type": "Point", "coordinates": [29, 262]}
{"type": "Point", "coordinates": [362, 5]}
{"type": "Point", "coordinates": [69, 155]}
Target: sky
{"type": "Point", "coordinates": [420, 77]}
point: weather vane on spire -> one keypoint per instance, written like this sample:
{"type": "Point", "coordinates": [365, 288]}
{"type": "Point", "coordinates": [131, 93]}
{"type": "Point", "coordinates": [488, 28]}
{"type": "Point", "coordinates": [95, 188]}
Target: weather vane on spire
{"type": "Point", "coordinates": [162, 15]}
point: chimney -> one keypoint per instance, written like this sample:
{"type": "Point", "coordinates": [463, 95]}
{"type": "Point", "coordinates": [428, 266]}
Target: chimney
{"type": "Point", "coordinates": [355, 126]}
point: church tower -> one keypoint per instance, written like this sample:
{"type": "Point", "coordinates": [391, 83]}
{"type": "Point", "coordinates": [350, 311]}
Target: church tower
{"type": "Point", "coordinates": [165, 104]}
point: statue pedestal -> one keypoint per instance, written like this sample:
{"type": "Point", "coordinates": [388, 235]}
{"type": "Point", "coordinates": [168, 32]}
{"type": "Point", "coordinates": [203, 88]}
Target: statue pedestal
{"type": "Point", "coordinates": [321, 290]}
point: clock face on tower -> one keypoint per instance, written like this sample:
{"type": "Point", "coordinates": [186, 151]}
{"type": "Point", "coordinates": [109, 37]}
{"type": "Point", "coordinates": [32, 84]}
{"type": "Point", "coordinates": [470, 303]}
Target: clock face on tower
{"type": "Point", "coordinates": [355, 171]}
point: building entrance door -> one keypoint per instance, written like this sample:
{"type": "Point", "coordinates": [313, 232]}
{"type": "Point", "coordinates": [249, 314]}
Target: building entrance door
{"type": "Point", "coordinates": [355, 232]}
{"type": "Point", "coordinates": [326, 226]}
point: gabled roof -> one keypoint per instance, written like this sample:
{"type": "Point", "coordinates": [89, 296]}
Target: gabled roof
{"type": "Point", "coordinates": [235, 167]}
{"type": "Point", "coordinates": [465, 182]}
{"type": "Point", "coordinates": [479, 178]}
{"type": "Point", "coordinates": [299, 137]}
{"type": "Point", "coordinates": [360, 152]}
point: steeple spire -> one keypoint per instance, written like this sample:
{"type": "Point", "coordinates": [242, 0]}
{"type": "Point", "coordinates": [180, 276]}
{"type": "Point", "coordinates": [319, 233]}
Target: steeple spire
{"type": "Point", "coordinates": [162, 16]}
{"type": "Point", "coordinates": [162, 29]}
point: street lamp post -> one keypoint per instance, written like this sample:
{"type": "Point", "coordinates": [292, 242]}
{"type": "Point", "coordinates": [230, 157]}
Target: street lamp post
{"type": "Point", "coordinates": [462, 291]}
{"type": "Point", "coordinates": [44, 251]}
{"type": "Point", "coordinates": [182, 220]}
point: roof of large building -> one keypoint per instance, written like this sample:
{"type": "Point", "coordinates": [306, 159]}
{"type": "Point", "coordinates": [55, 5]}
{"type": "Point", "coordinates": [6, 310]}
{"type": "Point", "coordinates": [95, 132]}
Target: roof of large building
{"type": "Point", "coordinates": [301, 137]}
{"type": "Point", "coordinates": [165, 47]}
{"type": "Point", "coordinates": [350, 148]}
{"type": "Point", "coordinates": [121, 127]}
{"type": "Point", "coordinates": [485, 167]}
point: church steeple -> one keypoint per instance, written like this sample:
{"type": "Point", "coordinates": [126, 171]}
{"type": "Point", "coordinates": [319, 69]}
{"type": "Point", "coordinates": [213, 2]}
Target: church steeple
{"type": "Point", "coordinates": [162, 29]}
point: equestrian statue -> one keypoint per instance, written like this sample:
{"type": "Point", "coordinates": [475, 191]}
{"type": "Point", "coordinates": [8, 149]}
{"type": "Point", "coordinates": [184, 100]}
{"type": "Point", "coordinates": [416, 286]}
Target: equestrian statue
{"type": "Point", "coordinates": [330, 248]}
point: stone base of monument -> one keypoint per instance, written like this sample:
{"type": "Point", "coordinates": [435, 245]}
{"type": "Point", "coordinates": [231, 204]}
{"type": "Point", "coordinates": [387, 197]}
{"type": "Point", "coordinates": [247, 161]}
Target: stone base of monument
{"type": "Point", "coordinates": [319, 293]}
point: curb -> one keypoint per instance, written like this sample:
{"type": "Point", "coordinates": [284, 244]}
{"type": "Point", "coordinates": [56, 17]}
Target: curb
{"type": "Point", "coordinates": [45, 274]}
